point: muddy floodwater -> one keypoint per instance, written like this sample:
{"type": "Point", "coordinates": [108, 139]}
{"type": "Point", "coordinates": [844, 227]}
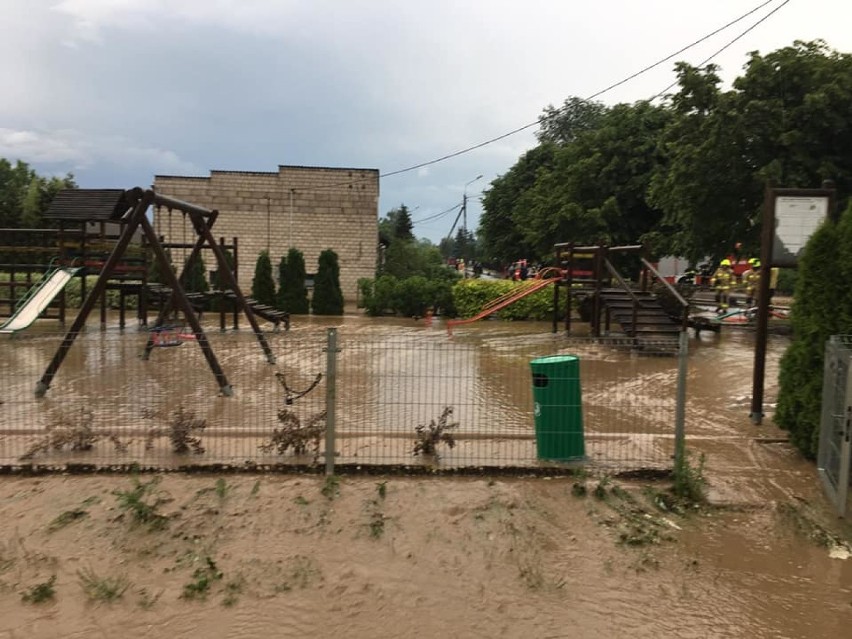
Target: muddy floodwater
{"type": "Point", "coordinates": [266, 555]}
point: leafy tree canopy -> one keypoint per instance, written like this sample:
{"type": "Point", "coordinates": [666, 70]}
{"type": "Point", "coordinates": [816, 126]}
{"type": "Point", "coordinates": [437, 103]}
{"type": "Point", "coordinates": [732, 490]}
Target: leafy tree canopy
{"type": "Point", "coordinates": [685, 177]}
{"type": "Point", "coordinates": [25, 195]}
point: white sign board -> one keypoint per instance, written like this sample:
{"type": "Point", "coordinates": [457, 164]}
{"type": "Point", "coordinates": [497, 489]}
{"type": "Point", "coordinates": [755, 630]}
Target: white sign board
{"type": "Point", "coordinates": [796, 219]}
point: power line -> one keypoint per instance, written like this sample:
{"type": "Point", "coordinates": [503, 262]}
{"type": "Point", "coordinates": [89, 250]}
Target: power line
{"type": "Point", "coordinates": [474, 147]}
{"type": "Point", "coordinates": [729, 44]}
{"type": "Point", "coordinates": [588, 99]}
{"type": "Point", "coordinates": [437, 215]}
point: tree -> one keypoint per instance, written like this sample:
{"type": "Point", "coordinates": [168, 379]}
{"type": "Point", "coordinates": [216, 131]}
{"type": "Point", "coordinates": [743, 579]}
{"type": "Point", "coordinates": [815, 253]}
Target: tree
{"type": "Point", "coordinates": [589, 188]}
{"type": "Point", "coordinates": [219, 281]}
{"type": "Point", "coordinates": [327, 298]}
{"type": "Point", "coordinates": [464, 245]}
{"type": "Point", "coordinates": [155, 273]}
{"type": "Point", "coordinates": [506, 206]}
{"type": "Point", "coordinates": [407, 258]}
{"type": "Point", "coordinates": [786, 118]}
{"type": "Point", "coordinates": [575, 116]}
{"type": "Point", "coordinates": [397, 224]}
{"type": "Point", "coordinates": [596, 189]}
{"type": "Point", "coordinates": [195, 279]}
{"type": "Point", "coordinates": [31, 205]}
{"type": "Point", "coordinates": [262, 285]}
{"type": "Point", "coordinates": [292, 292]}
{"type": "Point", "coordinates": [25, 196]}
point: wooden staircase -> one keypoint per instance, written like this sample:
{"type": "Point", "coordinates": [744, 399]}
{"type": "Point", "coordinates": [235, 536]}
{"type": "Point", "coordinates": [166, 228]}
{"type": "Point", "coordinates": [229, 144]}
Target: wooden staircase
{"type": "Point", "coordinates": [201, 302]}
{"type": "Point", "coordinates": [653, 328]}
{"type": "Point", "coordinates": [267, 313]}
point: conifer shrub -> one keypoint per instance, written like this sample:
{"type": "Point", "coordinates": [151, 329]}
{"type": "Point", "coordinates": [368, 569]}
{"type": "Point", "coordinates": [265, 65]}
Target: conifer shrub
{"type": "Point", "coordinates": [155, 273]}
{"type": "Point", "coordinates": [328, 297]}
{"type": "Point", "coordinates": [220, 282]}
{"type": "Point", "coordinates": [820, 309]}
{"type": "Point", "coordinates": [195, 279]}
{"type": "Point", "coordinates": [292, 292]}
{"type": "Point", "coordinates": [262, 285]}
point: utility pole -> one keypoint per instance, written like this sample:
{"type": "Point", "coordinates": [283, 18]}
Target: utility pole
{"type": "Point", "coordinates": [464, 202]}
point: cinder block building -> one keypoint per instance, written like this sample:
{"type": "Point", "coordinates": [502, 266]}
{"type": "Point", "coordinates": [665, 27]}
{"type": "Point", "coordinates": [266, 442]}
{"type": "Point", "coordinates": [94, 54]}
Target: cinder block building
{"type": "Point", "coordinates": [308, 208]}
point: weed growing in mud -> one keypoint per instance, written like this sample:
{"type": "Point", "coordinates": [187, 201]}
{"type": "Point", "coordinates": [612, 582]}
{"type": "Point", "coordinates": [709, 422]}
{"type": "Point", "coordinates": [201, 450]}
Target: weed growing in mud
{"type": "Point", "coordinates": [147, 600]}
{"type": "Point", "coordinates": [232, 591]}
{"type": "Point", "coordinates": [41, 592]}
{"type": "Point", "coordinates": [382, 489]}
{"type": "Point", "coordinates": [632, 520]}
{"type": "Point", "coordinates": [578, 489]}
{"type": "Point", "coordinates": [663, 500]}
{"type": "Point", "coordinates": [222, 488]}
{"type": "Point", "coordinates": [531, 574]}
{"type": "Point", "coordinates": [68, 517]}
{"type": "Point", "coordinates": [202, 579]}
{"type": "Point", "coordinates": [302, 572]}
{"type": "Point", "coordinates": [331, 487]}
{"type": "Point", "coordinates": [689, 482]}
{"type": "Point", "coordinates": [427, 437]}
{"type": "Point", "coordinates": [293, 434]}
{"type": "Point", "coordinates": [102, 588]}
{"type": "Point", "coordinates": [255, 489]}
{"type": "Point", "coordinates": [807, 526]}
{"type": "Point", "coordinates": [142, 504]}
{"type": "Point", "coordinates": [376, 525]}
{"type": "Point", "coordinates": [300, 501]}
{"type": "Point", "coordinates": [183, 430]}
{"type": "Point", "coordinates": [645, 562]}
{"type": "Point", "coordinates": [73, 432]}
{"type": "Point", "coordinates": [600, 491]}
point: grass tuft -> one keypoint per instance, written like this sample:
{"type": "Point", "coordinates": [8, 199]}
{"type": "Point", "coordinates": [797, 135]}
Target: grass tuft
{"type": "Point", "coordinates": [41, 592]}
{"type": "Point", "coordinates": [102, 588]}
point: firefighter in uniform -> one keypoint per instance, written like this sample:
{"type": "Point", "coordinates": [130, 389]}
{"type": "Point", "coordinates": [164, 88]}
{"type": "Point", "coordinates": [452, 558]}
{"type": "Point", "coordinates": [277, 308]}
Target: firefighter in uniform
{"type": "Point", "coordinates": [723, 280]}
{"type": "Point", "coordinates": [751, 281]}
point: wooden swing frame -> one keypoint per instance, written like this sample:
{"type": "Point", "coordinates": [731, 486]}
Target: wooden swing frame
{"type": "Point", "coordinates": [134, 217]}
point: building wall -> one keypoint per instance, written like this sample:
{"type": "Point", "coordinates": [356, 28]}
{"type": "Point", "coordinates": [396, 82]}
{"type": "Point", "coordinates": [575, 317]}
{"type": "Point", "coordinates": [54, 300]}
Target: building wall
{"type": "Point", "coordinates": [308, 208]}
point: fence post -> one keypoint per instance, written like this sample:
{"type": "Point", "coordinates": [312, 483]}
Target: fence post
{"type": "Point", "coordinates": [330, 399]}
{"type": "Point", "coordinates": [680, 399]}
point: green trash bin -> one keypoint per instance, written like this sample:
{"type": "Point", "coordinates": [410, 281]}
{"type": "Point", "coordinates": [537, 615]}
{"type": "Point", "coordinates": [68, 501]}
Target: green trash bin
{"type": "Point", "coordinates": [558, 408]}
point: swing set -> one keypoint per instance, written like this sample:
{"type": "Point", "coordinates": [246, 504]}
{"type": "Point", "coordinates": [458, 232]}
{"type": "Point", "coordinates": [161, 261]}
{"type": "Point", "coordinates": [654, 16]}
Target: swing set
{"type": "Point", "coordinates": [132, 215]}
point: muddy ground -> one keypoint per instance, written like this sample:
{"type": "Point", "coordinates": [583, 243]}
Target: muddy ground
{"type": "Point", "coordinates": [243, 555]}
{"type": "Point", "coordinates": [261, 556]}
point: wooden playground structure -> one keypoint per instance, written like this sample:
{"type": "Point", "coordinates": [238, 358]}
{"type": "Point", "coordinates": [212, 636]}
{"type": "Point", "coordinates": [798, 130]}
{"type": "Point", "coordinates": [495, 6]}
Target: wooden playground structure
{"type": "Point", "coordinates": [86, 230]}
{"type": "Point", "coordinates": [594, 284]}
{"type": "Point", "coordinates": [125, 243]}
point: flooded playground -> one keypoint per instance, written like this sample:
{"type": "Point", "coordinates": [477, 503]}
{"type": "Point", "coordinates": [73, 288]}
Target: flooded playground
{"type": "Point", "coordinates": [390, 377]}
{"type": "Point", "coordinates": [514, 557]}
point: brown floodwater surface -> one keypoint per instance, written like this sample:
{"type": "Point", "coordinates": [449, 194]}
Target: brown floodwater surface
{"type": "Point", "coordinates": [295, 556]}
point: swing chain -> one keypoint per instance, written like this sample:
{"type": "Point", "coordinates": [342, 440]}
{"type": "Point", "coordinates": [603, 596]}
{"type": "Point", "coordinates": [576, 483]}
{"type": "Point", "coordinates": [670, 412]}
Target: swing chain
{"type": "Point", "coordinates": [289, 394]}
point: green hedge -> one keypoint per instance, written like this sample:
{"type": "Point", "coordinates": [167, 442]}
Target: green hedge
{"type": "Point", "coordinates": [470, 296]}
{"type": "Point", "coordinates": [410, 296]}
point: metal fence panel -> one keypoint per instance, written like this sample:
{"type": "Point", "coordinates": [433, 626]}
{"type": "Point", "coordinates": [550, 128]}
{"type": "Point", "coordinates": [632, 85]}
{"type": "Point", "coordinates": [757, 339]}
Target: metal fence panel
{"type": "Point", "coordinates": [833, 459]}
{"type": "Point", "coordinates": [108, 407]}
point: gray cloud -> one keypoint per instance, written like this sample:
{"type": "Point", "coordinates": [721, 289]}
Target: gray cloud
{"type": "Point", "coordinates": [119, 90]}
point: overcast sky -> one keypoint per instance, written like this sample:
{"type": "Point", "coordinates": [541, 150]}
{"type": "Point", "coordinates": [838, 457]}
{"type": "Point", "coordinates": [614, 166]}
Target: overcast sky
{"type": "Point", "coordinates": [116, 91]}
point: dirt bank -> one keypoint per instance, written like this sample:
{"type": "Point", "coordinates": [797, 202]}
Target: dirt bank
{"type": "Point", "coordinates": [246, 556]}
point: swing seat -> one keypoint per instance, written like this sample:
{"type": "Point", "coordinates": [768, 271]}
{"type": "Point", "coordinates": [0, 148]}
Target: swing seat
{"type": "Point", "coordinates": [166, 336]}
